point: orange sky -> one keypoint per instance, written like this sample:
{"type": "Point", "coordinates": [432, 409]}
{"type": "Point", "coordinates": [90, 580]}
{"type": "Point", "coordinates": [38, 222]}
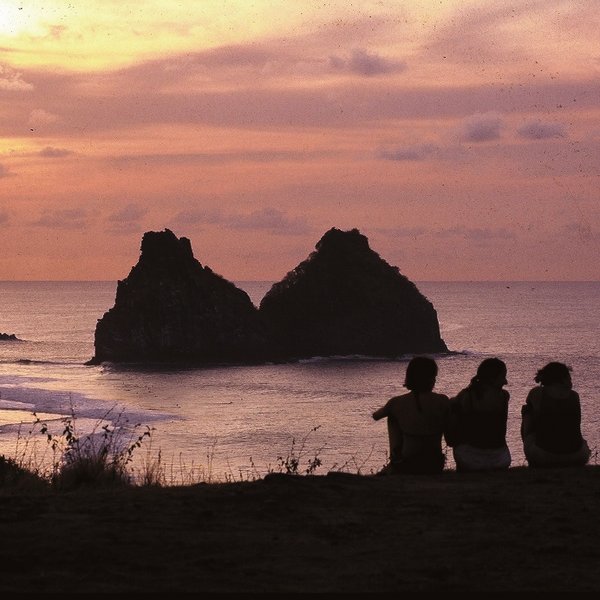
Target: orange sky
{"type": "Point", "coordinates": [462, 137]}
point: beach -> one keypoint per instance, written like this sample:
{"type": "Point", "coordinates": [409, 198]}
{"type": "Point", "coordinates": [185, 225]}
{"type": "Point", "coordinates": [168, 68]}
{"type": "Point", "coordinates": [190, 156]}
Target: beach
{"type": "Point", "coordinates": [521, 530]}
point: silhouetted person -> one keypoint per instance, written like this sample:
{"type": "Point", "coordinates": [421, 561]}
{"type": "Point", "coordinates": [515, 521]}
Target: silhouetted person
{"type": "Point", "coordinates": [416, 421]}
{"type": "Point", "coordinates": [478, 416]}
{"type": "Point", "coordinates": [551, 421]}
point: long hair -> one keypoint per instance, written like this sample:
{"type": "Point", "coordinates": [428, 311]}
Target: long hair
{"type": "Point", "coordinates": [421, 373]}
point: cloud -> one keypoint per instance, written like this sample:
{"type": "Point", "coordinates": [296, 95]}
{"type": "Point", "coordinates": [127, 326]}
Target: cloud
{"type": "Point", "coordinates": [268, 219]}
{"type": "Point", "coordinates": [581, 230]}
{"type": "Point", "coordinates": [50, 152]}
{"type": "Point", "coordinates": [130, 212]}
{"type": "Point", "coordinates": [540, 130]}
{"type": "Point", "coordinates": [481, 127]}
{"type": "Point", "coordinates": [69, 218]}
{"type": "Point", "coordinates": [199, 217]}
{"type": "Point", "coordinates": [39, 117]}
{"type": "Point", "coordinates": [477, 233]}
{"type": "Point", "coordinates": [259, 156]}
{"type": "Point", "coordinates": [473, 234]}
{"type": "Point", "coordinates": [366, 64]}
{"type": "Point", "coordinates": [407, 153]}
{"type": "Point", "coordinates": [12, 81]}
{"type": "Point", "coordinates": [131, 99]}
{"type": "Point", "coordinates": [485, 32]}
{"type": "Point", "coordinates": [411, 232]}
{"type": "Point", "coordinates": [308, 55]}
{"type": "Point", "coordinates": [127, 219]}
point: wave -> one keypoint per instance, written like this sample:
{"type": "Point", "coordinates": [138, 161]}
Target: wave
{"type": "Point", "coordinates": [351, 358]}
{"type": "Point", "coordinates": [370, 358]}
{"type": "Point", "coordinates": [184, 366]}
{"type": "Point", "coordinates": [34, 361]}
{"type": "Point", "coordinates": [16, 405]}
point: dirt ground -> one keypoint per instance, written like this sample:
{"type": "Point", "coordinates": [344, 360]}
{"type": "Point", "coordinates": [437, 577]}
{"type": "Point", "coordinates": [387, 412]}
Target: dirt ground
{"type": "Point", "coordinates": [522, 530]}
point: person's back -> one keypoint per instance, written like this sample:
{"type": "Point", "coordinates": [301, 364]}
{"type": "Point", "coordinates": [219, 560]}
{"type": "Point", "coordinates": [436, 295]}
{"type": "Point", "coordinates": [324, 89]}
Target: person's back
{"type": "Point", "coordinates": [551, 420]}
{"type": "Point", "coordinates": [416, 421]}
{"type": "Point", "coordinates": [478, 418]}
{"type": "Point", "coordinates": [482, 414]}
{"type": "Point", "coordinates": [556, 412]}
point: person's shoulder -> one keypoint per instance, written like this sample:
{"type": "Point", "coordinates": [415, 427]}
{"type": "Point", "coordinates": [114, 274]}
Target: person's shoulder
{"type": "Point", "coordinates": [458, 397]}
{"type": "Point", "coordinates": [399, 399]}
{"type": "Point", "coordinates": [501, 394]}
{"type": "Point", "coordinates": [441, 398]}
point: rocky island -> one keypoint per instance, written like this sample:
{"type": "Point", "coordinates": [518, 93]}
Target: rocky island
{"type": "Point", "coordinates": [9, 337]}
{"type": "Point", "coordinates": [344, 299]}
{"type": "Point", "coordinates": [172, 309]}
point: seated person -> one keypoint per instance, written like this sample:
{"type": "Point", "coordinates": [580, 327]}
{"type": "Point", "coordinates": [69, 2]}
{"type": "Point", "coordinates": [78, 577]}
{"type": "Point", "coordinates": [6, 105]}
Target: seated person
{"type": "Point", "coordinates": [551, 421]}
{"type": "Point", "coordinates": [416, 421]}
{"type": "Point", "coordinates": [478, 416]}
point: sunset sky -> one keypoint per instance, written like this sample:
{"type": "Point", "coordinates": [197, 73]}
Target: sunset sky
{"type": "Point", "coordinates": [462, 137]}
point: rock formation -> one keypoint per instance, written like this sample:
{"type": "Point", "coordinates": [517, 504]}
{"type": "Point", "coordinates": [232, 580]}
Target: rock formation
{"type": "Point", "coordinates": [9, 337]}
{"type": "Point", "coordinates": [170, 308]}
{"type": "Point", "coordinates": [342, 300]}
{"type": "Point", "coordinates": [346, 300]}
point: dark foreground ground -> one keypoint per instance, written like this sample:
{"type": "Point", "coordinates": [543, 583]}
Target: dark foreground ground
{"type": "Point", "coordinates": [521, 530]}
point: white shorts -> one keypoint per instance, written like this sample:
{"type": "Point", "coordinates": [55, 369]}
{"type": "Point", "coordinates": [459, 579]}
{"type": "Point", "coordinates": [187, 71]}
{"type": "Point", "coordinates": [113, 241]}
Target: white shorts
{"type": "Point", "coordinates": [469, 458]}
{"type": "Point", "coordinates": [536, 457]}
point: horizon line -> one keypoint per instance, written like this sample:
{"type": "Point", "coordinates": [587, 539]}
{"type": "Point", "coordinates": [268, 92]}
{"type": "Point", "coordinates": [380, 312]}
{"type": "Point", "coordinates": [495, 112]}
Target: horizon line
{"type": "Point", "coordinates": [277, 280]}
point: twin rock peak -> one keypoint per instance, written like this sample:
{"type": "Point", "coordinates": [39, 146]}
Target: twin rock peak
{"type": "Point", "coordinates": [343, 300]}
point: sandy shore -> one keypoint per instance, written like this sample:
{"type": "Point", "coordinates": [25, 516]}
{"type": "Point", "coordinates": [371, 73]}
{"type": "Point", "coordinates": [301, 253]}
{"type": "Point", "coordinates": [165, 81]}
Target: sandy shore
{"type": "Point", "coordinates": [521, 530]}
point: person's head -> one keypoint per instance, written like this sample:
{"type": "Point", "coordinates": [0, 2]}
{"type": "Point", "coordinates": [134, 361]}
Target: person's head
{"type": "Point", "coordinates": [421, 374]}
{"type": "Point", "coordinates": [554, 372]}
{"type": "Point", "coordinates": [491, 371]}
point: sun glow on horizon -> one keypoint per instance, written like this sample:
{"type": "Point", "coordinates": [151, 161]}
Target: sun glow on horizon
{"type": "Point", "coordinates": [91, 35]}
{"type": "Point", "coordinates": [253, 127]}
{"type": "Point", "coordinates": [17, 18]}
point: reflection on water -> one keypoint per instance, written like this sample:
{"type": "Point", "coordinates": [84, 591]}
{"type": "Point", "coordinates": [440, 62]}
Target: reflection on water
{"type": "Point", "coordinates": [233, 419]}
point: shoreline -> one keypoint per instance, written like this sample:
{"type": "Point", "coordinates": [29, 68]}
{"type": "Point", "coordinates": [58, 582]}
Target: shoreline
{"type": "Point", "coordinates": [522, 529]}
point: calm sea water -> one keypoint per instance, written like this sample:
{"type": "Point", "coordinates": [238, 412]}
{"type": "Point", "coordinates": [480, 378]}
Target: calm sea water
{"type": "Point", "coordinates": [232, 422]}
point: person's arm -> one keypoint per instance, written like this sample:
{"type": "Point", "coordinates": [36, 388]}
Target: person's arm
{"type": "Point", "coordinates": [527, 421]}
{"type": "Point", "coordinates": [578, 411]}
{"type": "Point", "coordinates": [451, 426]}
{"type": "Point", "coordinates": [506, 396]}
{"type": "Point", "coordinates": [382, 412]}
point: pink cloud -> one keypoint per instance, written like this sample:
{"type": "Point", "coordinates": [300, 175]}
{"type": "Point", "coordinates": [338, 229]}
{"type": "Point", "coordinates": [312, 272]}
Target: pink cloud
{"type": "Point", "coordinates": [70, 218]}
{"type": "Point", "coordinates": [407, 153]}
{"type": "Point", "coordinates": [267, 219]}
{"type": "Point", "coordinates": [50, 152]}
{"type": "Point", "coordinates": [127, 219]}
{"type": "Point", "coordinates": [12, 81]}
{"type": "Point", "coordinates": [365, 63]}
{"type": "Point", "coordinates": [40, 117]}
{"type": "Point", "coordinates": [481, 127]}
{"type": "Point", "coordinates": [541, 130]}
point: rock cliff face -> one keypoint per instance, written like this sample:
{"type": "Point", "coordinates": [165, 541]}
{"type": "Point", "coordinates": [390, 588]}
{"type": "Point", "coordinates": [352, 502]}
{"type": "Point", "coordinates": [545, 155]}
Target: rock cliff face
{"type": "Point", "coordinates": [342, 300]}
{"type": "Point", "coordinates": [172, 309]}
{"type": "Point", "coordinates": [346, 300]}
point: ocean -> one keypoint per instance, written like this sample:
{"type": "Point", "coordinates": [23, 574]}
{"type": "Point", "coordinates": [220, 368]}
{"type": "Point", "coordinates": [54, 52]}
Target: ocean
{"type": "Point", "coordinates": [239, 422]}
